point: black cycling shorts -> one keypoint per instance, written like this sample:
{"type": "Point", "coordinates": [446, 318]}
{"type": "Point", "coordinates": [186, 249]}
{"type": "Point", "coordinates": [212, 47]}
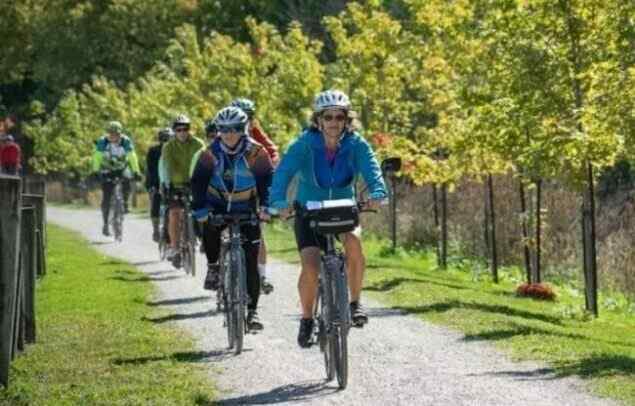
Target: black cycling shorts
{"type": "Point", "coordinates": [305, 236]}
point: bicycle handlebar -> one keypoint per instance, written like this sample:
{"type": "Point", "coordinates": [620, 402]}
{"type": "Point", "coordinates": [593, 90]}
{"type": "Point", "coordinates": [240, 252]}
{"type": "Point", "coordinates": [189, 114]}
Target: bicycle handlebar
{"type": "Point", "coordinates": [234, 218]}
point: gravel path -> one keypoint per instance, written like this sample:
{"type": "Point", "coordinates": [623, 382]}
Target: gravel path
{"type": "Point", "coordinates": [395, 360]}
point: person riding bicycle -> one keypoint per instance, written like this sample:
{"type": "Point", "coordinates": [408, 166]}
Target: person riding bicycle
{"type": "Point", "coordinates": [210, 131]}
{"type": "Point", "coordinates": [232, 175]}
{"type": "Point", "coordinates": [328, 156]}
{"type": "Point", "coordinates": [114, 154]}
{"type": "Point", "coordinates": [152, 179]}
{"type": "Point", "coordinates": [176, 157]}
{"type": "Point", "coordinates": [257, 133]}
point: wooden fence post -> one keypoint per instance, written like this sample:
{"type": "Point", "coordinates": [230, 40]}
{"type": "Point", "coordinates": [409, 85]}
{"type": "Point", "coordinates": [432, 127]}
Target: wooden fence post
{"type": "Point", "coordinates": [39, 203]}
{"type": "Point", "coordinates": [10, 190]}
{"type": "Point", "coordinates": [28, 253]}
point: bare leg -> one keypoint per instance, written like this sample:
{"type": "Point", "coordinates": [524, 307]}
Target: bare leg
{"type": "Point", "coordinates": [308, 281]}
{"type": "Point", "coordinates": [174, 226]}
{"type": "Point", "coordinates": [355, 264]}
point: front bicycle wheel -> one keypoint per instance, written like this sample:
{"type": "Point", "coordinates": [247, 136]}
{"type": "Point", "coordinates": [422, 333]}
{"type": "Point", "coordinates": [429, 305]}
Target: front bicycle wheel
{"type": "Point", "coordinates": [191, 245]}
{"type": "Point", "coordinates": [226, 297]}
{"type": "Point", "coordinates": [325, 330]}
{"type": "Point", "coordinates": [118, 213]}
{"type": "Point", "coordinates": [341, 325]}
{"type": "Point", "coordinates": [238, 296]}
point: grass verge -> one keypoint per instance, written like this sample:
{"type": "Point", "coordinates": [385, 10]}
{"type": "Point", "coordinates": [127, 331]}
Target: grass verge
{"type": "Point", "coordinates": [600, 351]}
{"type": "Point", "coordinates": [96, 342]}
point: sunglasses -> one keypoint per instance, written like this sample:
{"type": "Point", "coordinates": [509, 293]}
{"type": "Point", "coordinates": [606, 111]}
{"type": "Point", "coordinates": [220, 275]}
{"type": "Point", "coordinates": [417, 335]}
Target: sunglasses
{"type": "Point", "coordinates": [231, 129]}
{"type": "Point", "coordinates": [338, 117]}
{"type": "Point", "coordinates": [181, 129]}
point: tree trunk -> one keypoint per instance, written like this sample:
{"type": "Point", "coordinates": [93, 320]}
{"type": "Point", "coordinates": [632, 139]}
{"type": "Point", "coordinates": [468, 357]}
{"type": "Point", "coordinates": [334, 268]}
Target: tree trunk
{"type": "Point", "coordinates": [590, 254]}
{"type": "Point", "coordinates": [523, 213]}
{"type": "Point", "coordinates": [437, 230]}
{"type": "Point", "coordinates": [588, 213]}
{"type": "Point", "coordinates": [537, 268]}
{"type": "Point", "coordinates": [444, 225]}
{"type": "Point", "coordinates": [492, 217]}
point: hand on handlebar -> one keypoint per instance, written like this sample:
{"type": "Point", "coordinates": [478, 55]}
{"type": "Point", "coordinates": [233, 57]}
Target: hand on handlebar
{"type": "Point", "coordinates": [263, 214]}
{"type": "Point", "coordinates": [374, 204]}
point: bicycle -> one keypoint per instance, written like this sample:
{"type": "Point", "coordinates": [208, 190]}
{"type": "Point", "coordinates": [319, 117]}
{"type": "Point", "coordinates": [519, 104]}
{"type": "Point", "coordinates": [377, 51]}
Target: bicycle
{"type": "Point", "coordinates": [330, 218]}
{"type": "Point", "coordinates": [231, 295]}
{"type": "Point", "coordinates": [187, 237]}
{"type": "Point", "coordinates": [117, 207]}
{"type": "Point", "coordinates": [164, 240]}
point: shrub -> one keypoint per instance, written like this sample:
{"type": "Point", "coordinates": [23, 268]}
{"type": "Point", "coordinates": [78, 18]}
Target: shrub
{"type": "Point", "coordinates": [536, 290]}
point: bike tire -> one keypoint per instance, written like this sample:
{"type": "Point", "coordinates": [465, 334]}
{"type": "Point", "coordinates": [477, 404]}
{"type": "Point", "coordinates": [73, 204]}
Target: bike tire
{"type": "Point", "coordinates": [118, 213]}
{"type": "Point", "coordinates": [191, 245]}
{"type": "Point", "coordinates": [341, 328]}
{"type": "Point", "coordinates": [327, 343]}
{"type": "Point", "coordinates": [227, 300]}
{"type": "Point", "coordinates": [183, 246]}
{"type": "Point", "coordinates": [238, 297]}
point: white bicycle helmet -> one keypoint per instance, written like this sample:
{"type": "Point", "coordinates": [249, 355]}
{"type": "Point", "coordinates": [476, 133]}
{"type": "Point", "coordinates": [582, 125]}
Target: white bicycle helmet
{"type": "Point", "coordinates": [181, 120]}
{"type": "Point", "coordinates": [231, 117]}
{"type": "Point", "coordinates": [331, 99]}
{"type": "Point", "coordinates": [165, 134]}
{"type": "Point", "coordinates": [246, 105]}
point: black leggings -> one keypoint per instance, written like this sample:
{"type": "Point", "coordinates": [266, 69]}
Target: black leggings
{"type": "Point", "coordinates": [251, 245]}
{"type": "Point", "coordinates": [107, 188]}
{"type": "Point", "coordinates": [155, 205]}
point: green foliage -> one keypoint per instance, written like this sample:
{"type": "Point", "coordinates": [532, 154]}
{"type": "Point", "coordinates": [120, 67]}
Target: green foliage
{"type": "Point", "coordinates": [462, 88]}
{"type": "Point", "coordinates": [280, 72]}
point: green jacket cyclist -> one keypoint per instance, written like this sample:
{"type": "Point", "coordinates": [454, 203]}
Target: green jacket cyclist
{"type": "Point", "coordinates": [114, 156]}
{"type": "Point", "coordinates": [175, 172]}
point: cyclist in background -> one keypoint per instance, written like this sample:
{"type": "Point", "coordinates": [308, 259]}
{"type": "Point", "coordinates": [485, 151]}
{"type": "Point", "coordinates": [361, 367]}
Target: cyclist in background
{"type": "Point", "coordinates": [210, 131]}
{"type": "Point", "coordinates": [114, 153]}
{"type": "Point", "coordinates": [232, 175]}
{"type": "Point", "coordinates": [258, 134]}
{"type": "Point", "coordinates": [328, 157]}
{"type": "Point", "coordinates": [176, 160]}
{"type": "Point", "coordinates": [152, 179]}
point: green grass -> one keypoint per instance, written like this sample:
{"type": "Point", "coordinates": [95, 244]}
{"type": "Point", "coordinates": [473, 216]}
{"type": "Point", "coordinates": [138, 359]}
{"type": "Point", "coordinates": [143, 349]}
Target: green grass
{"type": "Point", "coordinates": [97, 343]}
{"type": "Point", "coordinates": [600, 351]}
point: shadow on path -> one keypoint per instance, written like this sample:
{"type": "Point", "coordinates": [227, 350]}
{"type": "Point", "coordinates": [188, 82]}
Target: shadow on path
{"type": "Point", "coordinates": [180, 301]}
{"type": "Point", "coordinates": [391, 284]}
{"type": "Point", "coordinates": [189, 356]}
{"type": "Point", "coordinates": [501, 309]}
{"type": "Point", "coordinates": [142, 263]}
{"type": "Point", "coordinates": [101, 242]}
{"type": "Point", "coordinates": [286, 393]}
{"type": "Point", "coordinates": [145, 278]}
{"type": "Point", "coordinates": [540, 374]}
{"type": "Point", "coordinates": [176, 317]}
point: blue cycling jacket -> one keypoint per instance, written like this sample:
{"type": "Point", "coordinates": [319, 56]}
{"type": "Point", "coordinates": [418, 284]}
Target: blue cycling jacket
{"type": "Point", "coordinates": [320, 179]}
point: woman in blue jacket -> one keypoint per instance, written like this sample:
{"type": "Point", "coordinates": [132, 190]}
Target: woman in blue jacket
{"type": "Point", "coordinates": [328, 157]}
